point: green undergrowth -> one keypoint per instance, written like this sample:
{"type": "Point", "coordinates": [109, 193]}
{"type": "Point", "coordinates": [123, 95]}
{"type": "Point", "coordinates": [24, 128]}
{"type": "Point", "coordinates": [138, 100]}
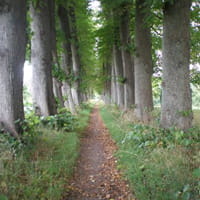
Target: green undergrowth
{"type": "Point", "coordinates": [40, 165]}
{"type": "Point", "coordinates": [159, 164]}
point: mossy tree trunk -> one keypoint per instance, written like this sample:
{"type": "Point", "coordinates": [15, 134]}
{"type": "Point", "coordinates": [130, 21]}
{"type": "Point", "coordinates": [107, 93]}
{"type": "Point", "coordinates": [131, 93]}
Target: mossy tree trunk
{"type": "Point", "coordinates": [117, 62]}
{"type": "Point", "coordinates": [12, 57]}
{"type": "Point", "coordinates": [128, 65]}
{"type": "Point", "coordinates": [176, 93]}
{"type": "Point", "coordinates": [107, 86]}
{"type": "Point", "coordinates": [143, 63]}
{"type": "Point", "coordinates": [42, 58]}
{"type": "Point", "coordinates": [76, 62]}
{"type": "Point", "coordinates": [66, 58]}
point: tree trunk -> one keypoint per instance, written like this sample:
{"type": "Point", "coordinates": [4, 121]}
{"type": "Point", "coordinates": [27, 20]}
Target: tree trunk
{"type": "Point", "coordinates": [57, 85]}
{"type": "Point", "coordinates": [66, 58]}
{"type": "Point", "coordinates": [57, 90]}
{"type": "Point", "coordinates": [12, 57]}
{"type": "Point", "coordinates": [107, 87]}
{"type": "Point", "coordinates": [176, 93]}
{"type": "Point", "coordinates": [75, 56]}
{"type": "Point", "coordinates": [143, 64]}
{"type": "Point", "coordinates": [114, 94]}
{"type": "Point", "coordinates": [117, 62]}
{"type": "Point", "coordinates": [69, 101]}
{"type": "Point", "coordinates": [128, 65]}
{"type": "Point", "coordinates": [41, 58]}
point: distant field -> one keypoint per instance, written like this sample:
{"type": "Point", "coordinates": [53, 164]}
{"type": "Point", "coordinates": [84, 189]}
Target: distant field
{"type": "Point", "coordinates": [196, 120]}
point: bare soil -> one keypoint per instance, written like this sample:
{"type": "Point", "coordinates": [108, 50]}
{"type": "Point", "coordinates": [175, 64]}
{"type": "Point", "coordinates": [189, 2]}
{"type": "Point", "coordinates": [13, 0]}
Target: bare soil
{"type": "Point", "coordinates": [96, 176]}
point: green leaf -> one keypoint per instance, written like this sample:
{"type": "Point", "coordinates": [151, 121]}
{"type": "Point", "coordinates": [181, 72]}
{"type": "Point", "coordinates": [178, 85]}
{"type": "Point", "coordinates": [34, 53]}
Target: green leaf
{"type": "Point", "coordinates": [2, 197]}
{"type": "Point", "coordinates": [196, 173]}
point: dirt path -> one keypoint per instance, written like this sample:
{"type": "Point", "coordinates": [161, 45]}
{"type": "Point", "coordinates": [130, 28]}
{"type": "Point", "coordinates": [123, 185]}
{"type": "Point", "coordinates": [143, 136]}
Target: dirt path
{"type": "Point", "coordinates": [96, 177]}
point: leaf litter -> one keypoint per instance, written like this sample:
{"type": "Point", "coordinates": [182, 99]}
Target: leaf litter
{"type": "Point", "coordinates": [96, 176]}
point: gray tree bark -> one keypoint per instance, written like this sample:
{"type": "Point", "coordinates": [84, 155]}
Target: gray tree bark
{"type": "Point", "coordinates": [57, 85]}
{"type": "Point", "coordinates": [118, 65]}
{"type": "Point", "coordinates": [107, 86]}
{"type": "Point", "coordinates": [176, 93]}
{"type": "Point", "coordinates": [57, 90]}
{"type": "Point", "coordinates": [128, 65]}
{"type": "Point", "coordinates": [12, 57]}
{"type": "Point", "coordinates": [114, 94]}
{"type": "Point", "coordinates": [41, 58]}
{"type": "Point", "coordinates": [66, 58]}
{"type": "Point", "coordinates": [69, 101]}
{"type": "Point", "coordinates": [143, 63]}
{"type": "Point", "coordinates": [76, 62]}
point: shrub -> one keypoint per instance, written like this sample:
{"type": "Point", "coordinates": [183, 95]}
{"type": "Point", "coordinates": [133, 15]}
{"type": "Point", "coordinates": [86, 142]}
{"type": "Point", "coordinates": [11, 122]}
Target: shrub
{"type": "Point", "coordinates": [65, 121]}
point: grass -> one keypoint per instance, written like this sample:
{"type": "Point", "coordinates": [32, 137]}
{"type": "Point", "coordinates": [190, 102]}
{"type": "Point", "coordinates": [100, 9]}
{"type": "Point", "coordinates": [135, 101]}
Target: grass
{"type": "Point", "coordinates": [159, 165]}
{"type": "Point", "coordinates": [42, 170]}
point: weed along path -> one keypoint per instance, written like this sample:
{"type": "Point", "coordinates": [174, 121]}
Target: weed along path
{"type": "Point", "coordinates": [96, 176]}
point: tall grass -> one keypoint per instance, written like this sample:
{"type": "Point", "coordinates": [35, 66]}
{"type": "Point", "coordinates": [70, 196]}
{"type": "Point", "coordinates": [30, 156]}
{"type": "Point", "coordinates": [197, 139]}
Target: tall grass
{"type": "Point", "coordinates": [160, 165]}
{"type": "Point", "coordinates": [42, 170]}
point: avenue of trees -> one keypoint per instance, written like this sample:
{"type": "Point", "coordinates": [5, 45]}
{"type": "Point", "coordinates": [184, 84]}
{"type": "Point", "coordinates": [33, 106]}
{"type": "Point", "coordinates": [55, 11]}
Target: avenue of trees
{"type": "Point", "coordinates": [116, 53]}
{"type": "Point", "coordinates": [139, 31]}
{"type": "Point", "coordinates": [54, 35]}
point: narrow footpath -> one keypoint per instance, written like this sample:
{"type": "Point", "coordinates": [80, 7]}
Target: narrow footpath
{"type": "Point", "coordinates": [96, 176]}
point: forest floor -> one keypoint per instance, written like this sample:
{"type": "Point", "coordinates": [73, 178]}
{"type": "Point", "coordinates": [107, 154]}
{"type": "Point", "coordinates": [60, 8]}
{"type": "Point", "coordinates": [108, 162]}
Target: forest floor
{"type": "Point", "coordinates": [96, 176]}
